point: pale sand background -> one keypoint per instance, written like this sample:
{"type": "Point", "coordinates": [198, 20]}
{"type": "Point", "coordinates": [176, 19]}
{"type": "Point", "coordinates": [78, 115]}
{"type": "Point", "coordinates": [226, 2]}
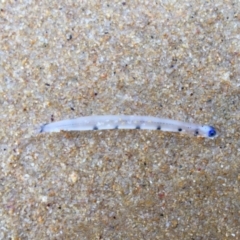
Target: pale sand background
{"type": "Point", "coordinates": [65, 59]}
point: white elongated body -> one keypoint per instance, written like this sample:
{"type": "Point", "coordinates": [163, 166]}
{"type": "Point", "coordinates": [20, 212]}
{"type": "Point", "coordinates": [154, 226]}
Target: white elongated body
{"type": "Point", "coordinates": [129, 122]}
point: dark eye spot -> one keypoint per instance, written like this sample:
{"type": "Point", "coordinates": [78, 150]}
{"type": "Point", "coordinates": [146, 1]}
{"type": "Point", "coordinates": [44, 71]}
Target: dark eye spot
{"type": "Point", "coordinates": [159, 128]}
{"type": "Point", "coordinates": [196, 133]}
{"type": "Point", "coordinates": [138, 127]}
{"type": "Point", "coordinates": [179, 129]}
{"type": "Point", "coordinates": [42, 127]}
{"type": "Point", "coordinates": [95, 128]}
{"type": "Point", "coordinates": [212, 132]}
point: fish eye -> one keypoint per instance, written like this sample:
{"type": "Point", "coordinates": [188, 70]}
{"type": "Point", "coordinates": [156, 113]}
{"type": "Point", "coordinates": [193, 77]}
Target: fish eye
{"type": "Point", "coordinates": [212, 132]}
